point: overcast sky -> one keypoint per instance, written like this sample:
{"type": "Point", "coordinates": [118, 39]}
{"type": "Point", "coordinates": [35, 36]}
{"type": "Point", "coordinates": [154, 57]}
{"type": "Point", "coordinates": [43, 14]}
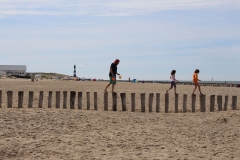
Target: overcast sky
{"type": "Point", "coordinates": [150, 37]}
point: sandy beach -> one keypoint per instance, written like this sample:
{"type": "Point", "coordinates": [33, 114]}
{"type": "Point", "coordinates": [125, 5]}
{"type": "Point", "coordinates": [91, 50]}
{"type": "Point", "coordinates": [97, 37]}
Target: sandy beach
{"type": "Point", "coordinates": [50, 133]}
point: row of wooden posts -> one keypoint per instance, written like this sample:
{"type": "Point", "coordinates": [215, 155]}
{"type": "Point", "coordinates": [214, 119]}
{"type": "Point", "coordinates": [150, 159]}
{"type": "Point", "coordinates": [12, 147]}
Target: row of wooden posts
{"type": "Point", "coordinates": [220, 107]}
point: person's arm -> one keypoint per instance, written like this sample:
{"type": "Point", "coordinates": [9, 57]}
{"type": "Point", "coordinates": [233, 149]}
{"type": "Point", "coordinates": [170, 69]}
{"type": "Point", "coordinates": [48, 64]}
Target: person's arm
{"type": "Point", "coordinates": [175, 79]}
{"type": "Point", "coordinates": [111, 71]}
{"type": "Point", "coordinates": [197, 77]}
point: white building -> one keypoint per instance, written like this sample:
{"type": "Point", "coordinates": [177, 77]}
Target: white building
{"type": "Point", "coordinates": [15, 70]}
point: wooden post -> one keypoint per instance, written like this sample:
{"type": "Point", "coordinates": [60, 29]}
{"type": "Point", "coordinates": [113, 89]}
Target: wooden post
{"type": "Point", "coordinates": [203, 103]}
{"type": "Point", "coordinates": [234, 102]}
{"type": "Point", "coordinates": [158, 102]}
{"type": "Point", "coordinates": [57, 99]}
{"type": "Point", "coordinates": [20, 99]}
{"type": "Point", "coordinates": [114, 101]}
{"type": "Point", "coordinates": [142, 102]}
{"type": "Point", "coordinates": [95, 101]}
{"type": "Point", "coordinates": [30, 101]}
{"type": "Point", "coordinates": [166, 102]}
{"type": "Point", "coordinates": [184, 103]}
{"type": "Point", "coordinates": [106, 101]}
{"type": "Point", "coordinates": [150, 102]}
{"type": "Point", "coordinates": [64, 99]}
{"type": "Point", "coordinates": [0, 98]}
{"type": "Point", "coordinates": [50, 99]}
{"type": "Point", "coordinates": [9, 99]}
{"type": "Point", "coordinates": [79, 100]}
{"type": "Point", "coordinates": [176, 103]}
{"type": "Point", "coordinates": [226, 103]}
{"type": "Point", "coordinates": [72, 99]}
{"type": "Point", "coordinates": [133, 102]}
{"type": "Point", "coordinates": [219, 101]}
{"type": "Point", "coordinates": [88, 100]}
{"type": "Point", "coordinates": [123, 98]}
{"type": "Point", "coordinates": [193, 102]}
{"type": "Point", "coordinates": [212, 103]}
{"type": "Point", "coordinates": [40, 102]}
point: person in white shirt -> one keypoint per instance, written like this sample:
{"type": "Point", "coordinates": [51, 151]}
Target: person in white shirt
{"type": "Point", "coordinates": [173, 81]}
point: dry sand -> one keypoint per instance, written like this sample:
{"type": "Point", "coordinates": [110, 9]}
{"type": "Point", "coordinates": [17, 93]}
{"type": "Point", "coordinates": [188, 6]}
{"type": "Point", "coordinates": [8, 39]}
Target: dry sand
{"type": "Point", "coordinates": [81, 134]}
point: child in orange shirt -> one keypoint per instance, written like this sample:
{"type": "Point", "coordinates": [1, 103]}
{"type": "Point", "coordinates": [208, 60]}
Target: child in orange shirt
{"type": "Point", "coordinates": [195, 81]}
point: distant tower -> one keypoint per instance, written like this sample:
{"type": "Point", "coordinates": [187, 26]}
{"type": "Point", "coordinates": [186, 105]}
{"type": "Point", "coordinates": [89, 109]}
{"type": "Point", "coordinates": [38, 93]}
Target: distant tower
{"type": "Point", "coordinates": [74, 72]}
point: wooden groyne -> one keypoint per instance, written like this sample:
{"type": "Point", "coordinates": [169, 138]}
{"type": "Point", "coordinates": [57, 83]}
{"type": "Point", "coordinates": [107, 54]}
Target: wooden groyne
{"type": "Point", "coordinates": [76, 101]}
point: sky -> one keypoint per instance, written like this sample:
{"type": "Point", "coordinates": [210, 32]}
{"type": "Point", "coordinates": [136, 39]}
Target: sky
{"type": "Point", "coordinates": [150, 37]}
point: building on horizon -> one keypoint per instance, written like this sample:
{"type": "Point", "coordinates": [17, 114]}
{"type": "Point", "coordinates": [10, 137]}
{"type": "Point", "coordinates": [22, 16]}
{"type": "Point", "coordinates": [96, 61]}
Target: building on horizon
{"type": "Point", "coordinates": [13, 70]}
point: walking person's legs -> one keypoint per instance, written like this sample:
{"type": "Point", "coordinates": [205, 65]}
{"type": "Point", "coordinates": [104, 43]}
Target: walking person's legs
{"type": "Point", "coordinates": [112, 82]}
{"type": "Point", "coordinates": [175, 87]}
{"type": "Point", "coordinates": [196, 85]}
{"type": "Point", "coordinates": [107, 87]}
{"type": "Point", "coordinates": [199, 89]}
{"type": "Point", "coordinates": [113, 88]}
{"type": "Point", "coordinates": [172, 84]}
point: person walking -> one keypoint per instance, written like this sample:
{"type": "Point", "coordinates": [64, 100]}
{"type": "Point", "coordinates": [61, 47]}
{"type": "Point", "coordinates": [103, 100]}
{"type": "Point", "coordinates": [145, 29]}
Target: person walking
{"type": "Point", "coordinates": [112, 75]}
{"type": "Point", "coordinates": [195, 81]}
{"type": "Point", "coordinates": [173, 81]}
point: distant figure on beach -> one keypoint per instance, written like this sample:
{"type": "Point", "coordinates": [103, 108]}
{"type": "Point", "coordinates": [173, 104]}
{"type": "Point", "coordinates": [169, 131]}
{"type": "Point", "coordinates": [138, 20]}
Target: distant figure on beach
{"type": "Point", "coordinates": [173, 81]}
{"type": "Point", "coordinates": [195, 81]}
{"type": "Point", "coordinates": [112, 74]}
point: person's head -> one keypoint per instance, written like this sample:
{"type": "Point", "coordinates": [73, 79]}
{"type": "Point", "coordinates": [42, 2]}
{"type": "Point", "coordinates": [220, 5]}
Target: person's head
{"type": "Point", "coordinates": [196, 71]}
{"type": "Point", "coordinates": [173, 72]}
{"type": "Point", "coordinates": [117, 61]}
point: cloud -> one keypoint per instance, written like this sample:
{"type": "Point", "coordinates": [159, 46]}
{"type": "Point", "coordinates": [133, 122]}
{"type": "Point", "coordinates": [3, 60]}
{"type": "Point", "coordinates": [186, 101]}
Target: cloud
{"type": "Point", "coordinates": [107, 7]}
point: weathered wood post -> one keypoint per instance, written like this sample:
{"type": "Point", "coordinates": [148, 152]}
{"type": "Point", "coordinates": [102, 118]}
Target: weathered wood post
{"type": "Point", "coordinates": [176, 103]}
{"type": "Point", "coordinates": [114, 101]}
{"type": "Point", "coordinates": [30, 100]}
{"type": "Point", "coordinates": [193, 102]}
{"type": "Point", "coordinates": [9, 99]}
{"type": "Point", "coordinates": [219, 101]}
{"type": "Point", "coordinates": [72, 99]}
{"type": "Point", "coordinates": [64, 99]}
{"type": "Point", "coordinates": [143, 102]}
{"type": "Point", "coordinates": [50, 99]}
{"type": "Point", "coordinates": [20, 99]}
{"type": "Point", "coordinates": [57, 99]}
{"type": "Point", "coordinates": [40, 102]}
{"type": "Point", "coordinates": [234, 102]}
{"type": "Point", "coordinates": [212, 103]}
{"type": "Point", "coordinates": [203, 103]}
{"type": "Point", "coordinates": [166, 102]}
{"type": "Point", "coordinates": [95, 101]}
{"type": "Point", "coordinates": [106, 101]}
{"type": "Point", "coordinates": [0, 98]}
{"type": "Point", "coordinates": [88, 100]}
{"type": "Point", "coordinates": [123, 98]}
{"type": "Point", "coordinates": [184, 103]}
{"type": "Point", "coordinates": [226, 103]}
{"type": "Point", "coordinates": [150, 102]}
{"type": "Point", "coordinates": [133, 102]}
{"type": "Point", "coordinates": [158, 102]}
{"type": "Point", "coordinates": [79, 100]}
